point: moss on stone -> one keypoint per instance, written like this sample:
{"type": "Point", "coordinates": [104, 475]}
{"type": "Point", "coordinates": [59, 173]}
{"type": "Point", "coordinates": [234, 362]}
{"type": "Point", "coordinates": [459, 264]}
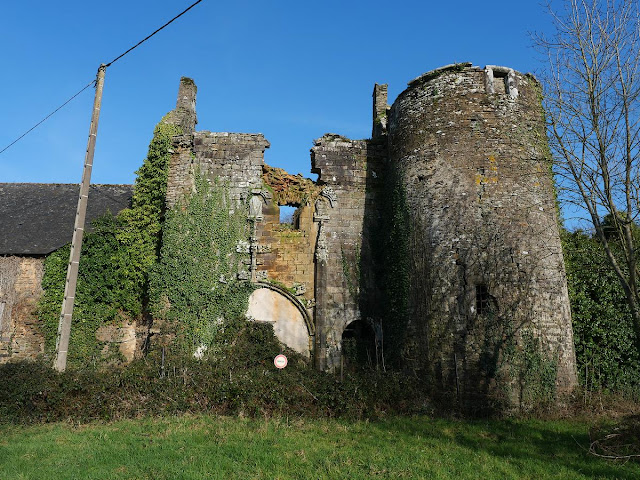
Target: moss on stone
{"type": "Point", "coordinates": [289, 189]}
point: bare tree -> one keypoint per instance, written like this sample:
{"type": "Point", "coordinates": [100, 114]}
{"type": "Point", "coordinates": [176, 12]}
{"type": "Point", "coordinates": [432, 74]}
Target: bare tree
{"type": "Point", "coordinates": [591, 95]}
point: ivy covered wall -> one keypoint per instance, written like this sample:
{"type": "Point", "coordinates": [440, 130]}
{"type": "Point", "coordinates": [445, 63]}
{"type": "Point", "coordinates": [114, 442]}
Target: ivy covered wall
{"type": "Point", "coordinates": [194, 288]}
{"type": "Point", "coordinates": [116, 259]}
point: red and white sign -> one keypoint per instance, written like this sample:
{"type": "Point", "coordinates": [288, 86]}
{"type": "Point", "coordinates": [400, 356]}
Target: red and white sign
{"type": "Point", "coordinates": [280, 361]}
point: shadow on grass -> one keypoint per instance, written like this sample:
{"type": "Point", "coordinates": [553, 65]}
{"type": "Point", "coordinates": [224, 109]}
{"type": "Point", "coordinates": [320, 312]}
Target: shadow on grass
{"type": "Point", "coordinates": [549, 447]}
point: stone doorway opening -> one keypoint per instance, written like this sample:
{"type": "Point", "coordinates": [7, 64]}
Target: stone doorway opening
{"type": "Point", "coordinates": [360, 348]}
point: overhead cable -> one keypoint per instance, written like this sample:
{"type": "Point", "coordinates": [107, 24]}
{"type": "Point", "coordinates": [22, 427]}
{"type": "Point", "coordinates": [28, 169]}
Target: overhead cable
{"type": "Point", "coordinates": [149, 36]}
{"type": "Point", "coordinates": [93, 81]}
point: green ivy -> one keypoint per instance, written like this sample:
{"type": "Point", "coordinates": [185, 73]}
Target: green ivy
{"type": "Point", "coordinates": [602, 325]}
{"type": "Point", "coordinates": [194, 287]}
{"type": "Point", "coordinates": [115, 261]}
{"type": "Point", "coordinates": [139, 235]}
{"type": "Point", "coordinates": [533, 371]}
{"type": "Point", "coordinates": [394, 254]}
{"type": "Point", "coordinates": [102, 295]}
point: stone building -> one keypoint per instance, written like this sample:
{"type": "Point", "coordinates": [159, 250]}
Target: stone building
{"type": "Point", "coordinates": [435, 241]}
{"type": "Point", "coordinates": [35, 220]}
{"type": "Point", "coordinates": [462, 156]}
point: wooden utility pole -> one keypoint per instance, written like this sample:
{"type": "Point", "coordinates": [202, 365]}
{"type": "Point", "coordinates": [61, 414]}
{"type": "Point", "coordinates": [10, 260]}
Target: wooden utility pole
{"type": "Point", "coordinates": [64, 326]}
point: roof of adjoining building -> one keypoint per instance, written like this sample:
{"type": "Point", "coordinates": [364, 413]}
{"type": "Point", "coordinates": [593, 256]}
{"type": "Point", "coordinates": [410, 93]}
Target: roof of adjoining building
{"type": "Point", "coordinates": [38, 218]}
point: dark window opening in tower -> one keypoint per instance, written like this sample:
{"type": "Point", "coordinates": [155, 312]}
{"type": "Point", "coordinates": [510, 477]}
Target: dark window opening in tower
{"type": "Point", "coordinates": [500, 85]}
{"type": "Point", "coordinates": [485, 302]}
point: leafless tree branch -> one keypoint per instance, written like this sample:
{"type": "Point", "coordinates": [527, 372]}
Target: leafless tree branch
{"type": "Point", "coordinates": [592, 98]}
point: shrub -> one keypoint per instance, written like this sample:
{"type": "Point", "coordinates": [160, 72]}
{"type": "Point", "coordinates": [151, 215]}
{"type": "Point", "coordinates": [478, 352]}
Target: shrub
{"type": "Point", "coordinates": [244, 383]}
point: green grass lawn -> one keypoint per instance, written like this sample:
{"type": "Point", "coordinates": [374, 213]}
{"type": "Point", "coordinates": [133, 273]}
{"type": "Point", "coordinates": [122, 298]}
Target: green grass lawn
{"type": "Point", "coordinates": [228, 448]}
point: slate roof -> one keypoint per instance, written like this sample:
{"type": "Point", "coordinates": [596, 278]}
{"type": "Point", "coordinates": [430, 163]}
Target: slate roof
{"type": "Point", "coordinates": [37, 218]}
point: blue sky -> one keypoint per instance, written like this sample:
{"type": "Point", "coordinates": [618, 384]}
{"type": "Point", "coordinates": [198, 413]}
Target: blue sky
{"type": "Point", "coordinates": [292, 70]}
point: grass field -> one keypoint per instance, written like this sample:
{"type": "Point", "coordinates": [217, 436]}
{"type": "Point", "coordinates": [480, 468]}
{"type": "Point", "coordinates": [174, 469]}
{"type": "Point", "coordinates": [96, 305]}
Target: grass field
{"type": "Point", "coordinates": [230, 448]}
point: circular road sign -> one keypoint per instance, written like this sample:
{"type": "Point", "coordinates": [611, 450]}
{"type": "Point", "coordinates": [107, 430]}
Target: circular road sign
{"type": "Point", "coordinates": [280, 361]}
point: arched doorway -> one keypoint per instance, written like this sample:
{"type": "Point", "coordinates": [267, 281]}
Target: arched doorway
{"type": "Point", "coordinates": [360, 347]}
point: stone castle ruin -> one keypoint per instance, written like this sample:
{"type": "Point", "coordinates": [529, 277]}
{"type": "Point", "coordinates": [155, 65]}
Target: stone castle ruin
{"type": "Point", "coordinates": [433, 245]}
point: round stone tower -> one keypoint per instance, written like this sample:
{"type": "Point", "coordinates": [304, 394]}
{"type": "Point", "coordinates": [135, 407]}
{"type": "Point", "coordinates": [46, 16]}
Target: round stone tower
{"type": "Point", "coordinates": [488, 308]}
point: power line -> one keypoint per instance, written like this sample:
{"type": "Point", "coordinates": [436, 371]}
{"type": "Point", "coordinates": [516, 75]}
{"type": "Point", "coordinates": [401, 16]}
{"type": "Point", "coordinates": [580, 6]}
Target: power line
{"type": "Point", "coordinates": [93, 81]}
{"type": "Point", "coordinates": [149, 36]}
{"type": "Point", "coordinates": [47, 117]}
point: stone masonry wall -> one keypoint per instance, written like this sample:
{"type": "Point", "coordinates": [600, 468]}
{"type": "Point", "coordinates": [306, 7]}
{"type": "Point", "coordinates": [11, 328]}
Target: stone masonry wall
{"type": "Point", "coordinates": [281, 255]}
{"type": "Point", "coordinates": [486, 263]}
{"type": "Point", "coordinates": [235, 158]}
{"type": "Point", "coordinates": [286, 251]}
{"type": "Point", "coordinates": [350, 173]}
{"type": "Point", "coordinates": [20, 290]}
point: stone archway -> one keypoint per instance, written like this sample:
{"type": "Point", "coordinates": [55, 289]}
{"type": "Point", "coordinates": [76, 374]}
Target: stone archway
{"type": "Point", "coordinates": [290, 320]}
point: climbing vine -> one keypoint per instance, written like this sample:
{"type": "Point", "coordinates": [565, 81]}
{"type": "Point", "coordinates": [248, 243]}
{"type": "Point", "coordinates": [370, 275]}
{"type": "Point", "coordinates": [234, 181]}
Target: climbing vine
{"type": "Point", "coordinates": [139, 235]}
{"type": "Point", "coordinates": [102, 295]}
{"type": "Point", "coordinates": [602, 325]}
{"type": "Point", "coordinates": [532, 373]}
{"type": "Point", "coordinates": [115, 261]}
{"type": "Point", "coordinates": [394, 254]}
{"type": "Point", "coordinates": [200, 243]}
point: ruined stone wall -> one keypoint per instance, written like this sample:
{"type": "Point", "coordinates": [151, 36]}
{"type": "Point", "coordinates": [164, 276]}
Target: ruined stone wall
{"type": "Point", "coordinates": [235, 158]}
{"type": "Point", "coordinates": [324, 259]}
{"type": "Point", "coordinates": [485, 269]}
{"type": "Point", "coordinates": [486, 262]}
{"type": "Point", "coordinates": [184, 115]}
{"type": "Point", "coordinates": [288, 246]}
{"type": "Point", "coordinates": [286, 250]}
{"type": "Point", "coordinates": [347, 213]}
{"type": "Point", "coordinates": [281, 256]}
{"type": "Point", "coordinates": [20, 290]}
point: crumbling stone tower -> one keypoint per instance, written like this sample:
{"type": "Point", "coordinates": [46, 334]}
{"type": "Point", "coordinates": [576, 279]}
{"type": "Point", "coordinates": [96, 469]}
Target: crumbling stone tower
{"type": "Point", "coordinates": [488, 285]}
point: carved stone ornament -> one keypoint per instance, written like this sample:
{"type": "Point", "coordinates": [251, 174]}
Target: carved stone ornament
{"type": "Point", "coordinates": [322, 248]}
{"type": "Point", "coordinates": [242, 246]}
{"type": "Point", "coordinates": [261, 275]}
{"type": "Point", "coordinates": [330, 194]}
{"type": "Point", "coordinates": [300, 288]}
{"type": "Point", "coordinates": [311, 302]}
{"type": "Point", "coordinates": [255, 206]}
